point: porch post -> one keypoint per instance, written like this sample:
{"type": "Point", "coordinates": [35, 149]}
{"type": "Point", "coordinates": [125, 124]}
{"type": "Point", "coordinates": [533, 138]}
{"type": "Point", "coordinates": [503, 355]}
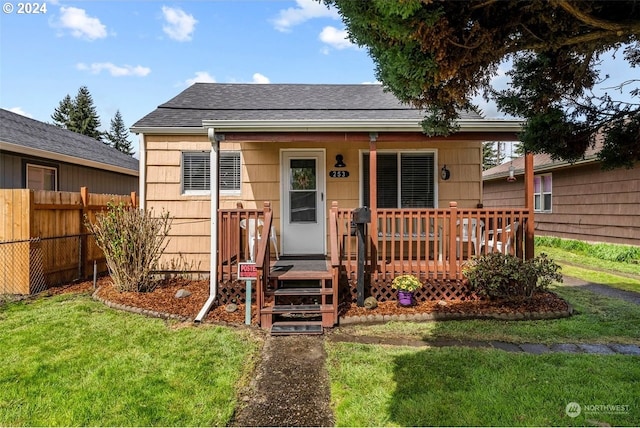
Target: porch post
{"type": "Point", "coordinates": [528, 203]}
{"type": "Point", "coordinates": [373, 198]}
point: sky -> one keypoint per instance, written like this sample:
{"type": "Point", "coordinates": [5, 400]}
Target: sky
{"type": "Point", "coordinates": [135, 55]}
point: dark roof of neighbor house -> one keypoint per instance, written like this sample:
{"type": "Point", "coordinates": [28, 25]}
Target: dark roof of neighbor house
{"type": "Point", "coordinates": [230, 101]}
{"type": "Point", "coordinates": [541, 162]}
{"type": "Point", "coordinates": [32, 134]}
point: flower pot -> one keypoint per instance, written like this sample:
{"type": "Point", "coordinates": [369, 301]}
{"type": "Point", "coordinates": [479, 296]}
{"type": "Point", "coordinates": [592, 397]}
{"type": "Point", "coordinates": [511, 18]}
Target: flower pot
{"type": "Point", "coordinates": [405, 298]}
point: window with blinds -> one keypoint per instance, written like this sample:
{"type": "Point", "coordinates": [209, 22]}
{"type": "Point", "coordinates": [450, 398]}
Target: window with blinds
{"type": "Point", "coordinates": [404, 180]}
{"type": "Point", "coordinates": [196, 170]}
{"type": "Point", "coordinates": [229, 172]}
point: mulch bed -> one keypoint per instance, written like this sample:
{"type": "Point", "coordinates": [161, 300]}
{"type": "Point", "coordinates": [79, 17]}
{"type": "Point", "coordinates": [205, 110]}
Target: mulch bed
{"type": "Point", "coordinates": [163, 300]}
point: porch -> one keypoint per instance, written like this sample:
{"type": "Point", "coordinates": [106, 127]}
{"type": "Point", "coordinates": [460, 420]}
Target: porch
{"type": "Point", "coordinates": [432, 244]}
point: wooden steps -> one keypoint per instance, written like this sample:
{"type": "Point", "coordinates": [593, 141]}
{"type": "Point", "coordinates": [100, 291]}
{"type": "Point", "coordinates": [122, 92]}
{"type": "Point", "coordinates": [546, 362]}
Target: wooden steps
{"type": "Point", "coordinates": [299, 300]}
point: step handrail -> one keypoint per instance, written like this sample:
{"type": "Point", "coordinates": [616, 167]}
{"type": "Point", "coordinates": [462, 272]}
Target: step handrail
{"type": "Point", "coordinates": [262, 259]}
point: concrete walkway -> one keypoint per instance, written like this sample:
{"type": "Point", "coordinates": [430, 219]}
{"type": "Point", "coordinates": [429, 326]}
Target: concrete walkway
{"type": "Point", "coordinates": [627, 296]}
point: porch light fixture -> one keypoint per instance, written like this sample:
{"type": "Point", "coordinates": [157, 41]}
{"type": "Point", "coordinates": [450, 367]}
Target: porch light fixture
{"type": "Point", "coordinates": [445, 173]}
{"type": "Point", "coordinates": [340, 162]}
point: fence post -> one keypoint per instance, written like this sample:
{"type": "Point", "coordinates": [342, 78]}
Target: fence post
{"type": "Point", "coordinates": [453, 243]}
{"type": "Point", "coordinates": [84, 196]}
{"type": "Point", "coordinates": [134, 201]}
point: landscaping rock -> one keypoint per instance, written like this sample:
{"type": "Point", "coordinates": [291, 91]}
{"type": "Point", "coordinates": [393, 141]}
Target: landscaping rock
{"type": "Point", "coordinates": [182, 293]}
{"type": "Point", "coordinates": [231, 307]}
{"type": "Point", "coordinates": [370, 302]}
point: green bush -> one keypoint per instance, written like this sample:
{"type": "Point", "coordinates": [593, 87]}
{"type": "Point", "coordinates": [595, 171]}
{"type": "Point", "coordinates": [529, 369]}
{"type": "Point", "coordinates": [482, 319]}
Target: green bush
{"type": "Point", "coordinates": [503, 276]}
{"type": "Point", "coordinates": [609, 252]}
{"type": "Point", "coordinates": [132, 241]}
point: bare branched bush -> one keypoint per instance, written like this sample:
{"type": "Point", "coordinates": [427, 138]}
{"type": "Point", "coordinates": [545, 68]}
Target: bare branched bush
{"type": "Point", "coordinates": [132, 241]}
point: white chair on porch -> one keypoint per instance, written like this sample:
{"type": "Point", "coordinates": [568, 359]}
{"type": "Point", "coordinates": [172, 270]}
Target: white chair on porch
{"type": "Point", "coordinates": [255, 230]}
{"type": "Point", "coordinates": [471, 230]}
{"type": "Point", "coordinates": [496, 238]}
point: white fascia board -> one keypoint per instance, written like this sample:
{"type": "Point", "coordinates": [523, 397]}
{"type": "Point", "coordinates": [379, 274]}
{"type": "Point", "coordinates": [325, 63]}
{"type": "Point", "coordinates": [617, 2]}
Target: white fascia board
{"type": "Point", "coordinates": [356, 125]}
{"type": "Point", "coordinates": [406, 125]}
{"type": "Point", "coordinates": [15, 148]}
{"type": "Point", "coordinates": [169, 130]}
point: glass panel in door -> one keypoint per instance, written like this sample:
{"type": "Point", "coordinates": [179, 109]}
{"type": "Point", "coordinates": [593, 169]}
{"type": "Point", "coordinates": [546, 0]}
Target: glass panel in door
{"type": "Point", "coordinates": [302, 191]}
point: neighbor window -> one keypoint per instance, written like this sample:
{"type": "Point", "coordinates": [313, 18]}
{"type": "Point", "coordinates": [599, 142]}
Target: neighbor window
{"type": "Point", "coordinates": [196, 170]}
{"type": "Point", "coordinates": [542, 193]}
{"type": "Point", "coordinates": [41, 177]}
{"type": "Point", "coordinates": [404, 180]}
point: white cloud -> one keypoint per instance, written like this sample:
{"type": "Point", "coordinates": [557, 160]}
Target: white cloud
{"type": "Point", "coordinates": [338, 39]}
{"type": "Point", "coordinates": [179, 24]}
{"type": "Point", "coordinates": [19, 111]}
{"type": "Point", "coordinates": [201, 77]}
{"type": "Point", "coordinates": [259, 78]}
{"type": "Point", "coordinates": [115, 70]}
{"type": "Point", "coordinates": [81, 25]}
{"type": "Point", "coordinates": [499, 82]}
{"type": "Point", "coordinates": [305, 10]}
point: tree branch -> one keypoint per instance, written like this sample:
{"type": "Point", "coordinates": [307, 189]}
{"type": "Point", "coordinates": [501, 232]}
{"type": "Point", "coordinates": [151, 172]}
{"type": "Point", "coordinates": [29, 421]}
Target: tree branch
{"type": "Point", "coordinates": [590, 20]}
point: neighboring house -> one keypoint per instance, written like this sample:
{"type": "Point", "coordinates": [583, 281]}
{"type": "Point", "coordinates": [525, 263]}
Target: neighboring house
{"type": "Point", "coordinates": [314, 153]}
{"type": "Point", "coordinates": [41, 156]}
{"type": "Point", "coordinates": [574, 201]}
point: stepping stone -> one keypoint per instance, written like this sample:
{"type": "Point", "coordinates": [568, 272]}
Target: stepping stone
{"type": "Point", "coordinates": [596, 349]}
{"type": "Point", "coordinates": [566, 347]}
{"type": "Point", "coordinates": [507, 347]}
{"type": "Point", "coordinates": [626, 349]}
{"type": "Point", "coordinates": [535, 348]}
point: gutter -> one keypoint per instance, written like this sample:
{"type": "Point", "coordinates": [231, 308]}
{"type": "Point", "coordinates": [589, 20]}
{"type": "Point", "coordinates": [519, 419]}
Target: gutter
{"type": "Point", "coordinates": [339, 125]}
{"type": "Point", "coordinates": [213, 265]}
{"type": "Point", "coordinates": [15, 148]}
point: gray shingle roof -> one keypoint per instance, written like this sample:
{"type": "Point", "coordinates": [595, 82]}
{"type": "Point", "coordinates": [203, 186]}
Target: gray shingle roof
{"type": "Point", "coordinates": [20, 130]}
{"type": "Point", "coordinates": [219, 101]}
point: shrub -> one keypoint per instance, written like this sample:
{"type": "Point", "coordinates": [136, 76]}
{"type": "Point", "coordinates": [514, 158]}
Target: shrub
{"type": "Point", "coordinates": [503, 276]}
{"type": "Point", "coordinates": [132, 241]}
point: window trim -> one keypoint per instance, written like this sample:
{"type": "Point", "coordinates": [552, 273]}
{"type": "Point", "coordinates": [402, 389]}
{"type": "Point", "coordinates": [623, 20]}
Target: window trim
{"type": "Point", "coordinates": [542, 208]}
{"type": "Point", "coordinates": [399, 152]}
{"type": "Point", "coordinates": [202, 192]}
{"type": "Point", "coordinates": [42, 167]}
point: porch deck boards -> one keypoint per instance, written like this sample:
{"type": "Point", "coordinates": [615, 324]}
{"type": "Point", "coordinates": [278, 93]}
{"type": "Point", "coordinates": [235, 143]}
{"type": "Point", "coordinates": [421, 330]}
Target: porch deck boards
{"type": "Point", "coordinates": [292, 270]}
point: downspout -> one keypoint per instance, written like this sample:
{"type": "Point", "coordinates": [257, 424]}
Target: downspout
{"type": "Point", "coordinates": [142, 179]}
{"type": "Point", "coordinates": [213, 266]}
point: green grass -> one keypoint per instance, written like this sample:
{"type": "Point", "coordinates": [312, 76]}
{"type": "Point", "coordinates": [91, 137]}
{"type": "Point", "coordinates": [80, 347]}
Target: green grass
{"type": "Point", "coordinates": [615, 274]}
{"type": "Point", "coordinates": [601, 251]}
{"type": "Point", "coordinates": [373, 385]}
{"type": "Point", "coordinates": [70, 361]}
{"type": "Point", "coordinates": [598, 319]}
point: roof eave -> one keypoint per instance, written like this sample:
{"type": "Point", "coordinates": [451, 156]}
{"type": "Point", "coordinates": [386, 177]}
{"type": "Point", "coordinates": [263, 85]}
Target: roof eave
{"type": "Point", "coordinates": [16, 148]}
{"type": "Point", "coordinates": [346, 125]}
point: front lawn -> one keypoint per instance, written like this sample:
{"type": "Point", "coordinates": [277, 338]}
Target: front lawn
{"type": "Point", "coordinates": [373, 385]}
{"type": "Point", "coordinates": [598, 319]}
{"type": "Point", "coordinates": [70, 361]}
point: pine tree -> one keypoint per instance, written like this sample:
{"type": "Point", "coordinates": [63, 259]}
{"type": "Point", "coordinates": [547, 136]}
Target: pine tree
{"type": "Point", "coordinates": [62, 115]}
{"type": "Point", "coordinates": [118, 135]}
{"type": "Point", "coordinates": [491, 155]}
{"type": "Point", "coordinates": [84, 117]}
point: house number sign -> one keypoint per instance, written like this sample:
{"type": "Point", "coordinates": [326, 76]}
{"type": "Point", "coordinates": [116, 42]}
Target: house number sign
{"type": "Point", "coordinates": [338, 174]}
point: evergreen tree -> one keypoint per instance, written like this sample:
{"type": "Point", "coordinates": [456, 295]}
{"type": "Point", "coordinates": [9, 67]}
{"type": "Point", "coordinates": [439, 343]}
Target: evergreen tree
{"type": "Point", "coordinates": [118, 135]}
{"type": "Point", "coordinates": [491, 155]}
{"type": "Point", "coordinates": [84, 117]}
{"type": "Point", "coordinates": [62, 114]}
{"type": "Point", "coordinates": [437, 54]}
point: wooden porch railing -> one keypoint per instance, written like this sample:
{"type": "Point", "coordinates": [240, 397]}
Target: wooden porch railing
{"type": "Point", "coordinates": [263, 262]}
{"type": "Point", "coordinates": [430, 243]}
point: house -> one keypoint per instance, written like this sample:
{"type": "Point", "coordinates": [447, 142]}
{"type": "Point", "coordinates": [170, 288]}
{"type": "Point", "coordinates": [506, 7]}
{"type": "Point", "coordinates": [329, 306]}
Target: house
{"type": "Point", "coordinates": [575, 201]}
{"type": "Point", "coordinates": [41, 156]}
{"type": "Point", "coordinates": [295, 160]}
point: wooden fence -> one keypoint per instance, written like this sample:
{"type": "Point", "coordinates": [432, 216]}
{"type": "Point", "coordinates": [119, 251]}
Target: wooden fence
{"type": "Point", "coordinates": [51, 227]}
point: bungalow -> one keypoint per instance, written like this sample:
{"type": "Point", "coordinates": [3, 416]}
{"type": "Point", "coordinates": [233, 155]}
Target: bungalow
{"type": "Point", "coordinates": [574, 201]}
{"type": "Point", "coordinates": [294, 162]}
{"type": "Point", "coordinates": [40, 156]}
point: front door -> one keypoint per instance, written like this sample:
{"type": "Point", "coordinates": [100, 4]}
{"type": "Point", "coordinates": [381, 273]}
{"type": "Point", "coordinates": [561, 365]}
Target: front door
{"type": "Point", "coordinates": [303, 206]}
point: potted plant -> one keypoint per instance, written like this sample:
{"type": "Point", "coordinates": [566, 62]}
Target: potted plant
{"type": "Point", "coordinates": [406, 285]}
